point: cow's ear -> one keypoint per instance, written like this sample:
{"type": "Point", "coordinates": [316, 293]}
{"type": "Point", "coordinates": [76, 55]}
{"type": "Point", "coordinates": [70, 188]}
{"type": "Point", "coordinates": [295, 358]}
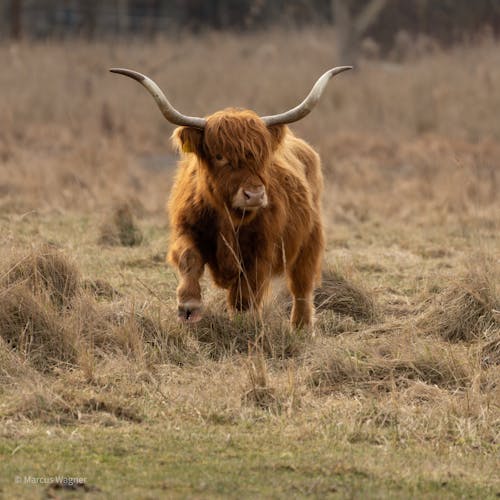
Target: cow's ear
{"type": "Point", "coordinates": [277, 134]}
{"type": "Point", "coordinates": [188, 140]}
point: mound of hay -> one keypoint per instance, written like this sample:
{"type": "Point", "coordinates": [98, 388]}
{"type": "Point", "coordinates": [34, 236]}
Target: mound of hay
{"type": "Point", "coordinates": [465, 310]}
{"type": "Point", "coordinates": [338, 294]}
{"type": "Point", "coordinates": [121, 229]}
{"type": "Point", "coordinates": [46, 271]}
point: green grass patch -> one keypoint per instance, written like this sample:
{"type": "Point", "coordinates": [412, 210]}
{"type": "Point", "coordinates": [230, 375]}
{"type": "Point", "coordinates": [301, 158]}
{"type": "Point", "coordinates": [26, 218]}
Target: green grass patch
{"type": "Point", "coordinates": [235, 461]}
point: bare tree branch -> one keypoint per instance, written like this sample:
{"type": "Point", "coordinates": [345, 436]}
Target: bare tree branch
{"type": "Point", "coordinates": [368, 16]}
{"type": "Point", "coordinates": [350, 29]}
{"type": "Point", "coordinates": [16, 13]}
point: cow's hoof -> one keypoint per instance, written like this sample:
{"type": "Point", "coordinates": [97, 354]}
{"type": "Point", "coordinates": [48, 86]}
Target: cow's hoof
{"type": "Point", "coordinates": [189, 312]}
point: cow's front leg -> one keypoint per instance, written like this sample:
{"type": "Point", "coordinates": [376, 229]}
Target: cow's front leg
{"type": "Point", "coordinates": [190, 265]}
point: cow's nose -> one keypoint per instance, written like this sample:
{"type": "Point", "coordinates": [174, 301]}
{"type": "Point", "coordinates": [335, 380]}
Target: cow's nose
{"type": "Point", "coordinates": [254, 196]}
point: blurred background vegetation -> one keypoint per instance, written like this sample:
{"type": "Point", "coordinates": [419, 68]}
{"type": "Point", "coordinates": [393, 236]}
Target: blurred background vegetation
{"type": "Point", "coordinates": [379, 26]}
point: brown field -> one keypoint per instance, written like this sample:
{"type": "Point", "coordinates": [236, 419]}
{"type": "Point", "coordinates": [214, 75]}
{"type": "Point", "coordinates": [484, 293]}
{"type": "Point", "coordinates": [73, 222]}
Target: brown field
{"type": "Point", "coordinates": [397, 395]}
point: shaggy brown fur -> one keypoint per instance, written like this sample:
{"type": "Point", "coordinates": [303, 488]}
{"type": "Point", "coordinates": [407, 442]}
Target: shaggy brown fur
{"type": "Point", "coordinates": [246, 204]}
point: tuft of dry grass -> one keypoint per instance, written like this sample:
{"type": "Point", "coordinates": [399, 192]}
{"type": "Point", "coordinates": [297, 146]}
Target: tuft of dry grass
{"type": "Point", "coordinates": [13, 365]}
{"type": "Point", "coordinates": [345, 297]}
{"type": "Point", "coordinates": [121, 229]}
{"type": "Point", "coordinates": [30, 325]}
{"type": "Point", "coordinates": [45, 271]}
{"type": "Point", "coordinates": [101, 289]}
{"type": "Point", "coordinates": [277, 396]}
{"type": "Point", "coordinates": [490, 349]}
{"type": "Point", "coordinates": [260, 394]}
{"type": "Point", "coordinates": [465, 309]}
{"type": "Point", "coordinates": [271, 334]}
{"type": "Point", "coordinates": [388, 363]}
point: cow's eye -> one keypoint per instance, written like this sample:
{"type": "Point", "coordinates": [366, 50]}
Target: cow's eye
{"type": "Point", "coordinates": [218, 157]}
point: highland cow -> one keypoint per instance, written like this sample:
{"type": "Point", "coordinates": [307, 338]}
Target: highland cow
{"type": "Point", "coordinates": [245, 204]}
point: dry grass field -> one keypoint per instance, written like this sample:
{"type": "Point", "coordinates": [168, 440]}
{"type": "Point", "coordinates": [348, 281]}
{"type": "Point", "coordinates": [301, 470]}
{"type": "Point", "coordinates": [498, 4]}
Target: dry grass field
{"type": "Point", "coordinates": [397, 395]}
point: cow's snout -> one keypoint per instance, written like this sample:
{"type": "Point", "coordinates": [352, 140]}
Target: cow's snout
{"type": "Point", "coordinates": [255, 196]}
{"type": "Point", "coordinates": [250, 198]}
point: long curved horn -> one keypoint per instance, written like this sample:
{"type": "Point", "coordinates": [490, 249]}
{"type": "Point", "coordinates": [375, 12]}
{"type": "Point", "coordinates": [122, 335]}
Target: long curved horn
{"type": "Point", "coordinates": [306, 106]}
{"type": "Point", "coordinates": [169, 112]}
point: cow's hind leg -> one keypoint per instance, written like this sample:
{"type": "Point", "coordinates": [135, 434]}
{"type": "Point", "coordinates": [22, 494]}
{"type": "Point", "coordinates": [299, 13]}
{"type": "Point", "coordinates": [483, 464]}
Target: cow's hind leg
{"type": "Point", "coordinates": [190, 264]}
{"type": "Point", "coordinates": [302, 277]}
